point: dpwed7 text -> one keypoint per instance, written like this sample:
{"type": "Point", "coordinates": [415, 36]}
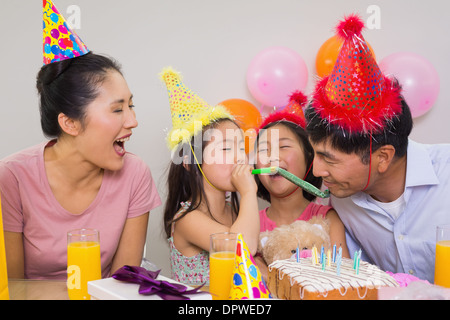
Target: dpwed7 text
{"type": "Point", "coordinates": [233, 309]}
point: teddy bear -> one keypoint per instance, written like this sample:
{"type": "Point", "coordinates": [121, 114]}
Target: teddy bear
{"type": "Point", "coordinates": [283, 241]}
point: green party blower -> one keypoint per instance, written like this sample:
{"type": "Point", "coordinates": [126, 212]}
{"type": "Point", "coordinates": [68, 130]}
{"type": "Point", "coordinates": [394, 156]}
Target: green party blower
{"type": "Point", "coordinates": [308, 187]}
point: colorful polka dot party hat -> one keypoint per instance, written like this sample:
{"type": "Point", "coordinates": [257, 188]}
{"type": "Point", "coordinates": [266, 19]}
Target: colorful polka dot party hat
{"type": "Point", "coordinates": [247, 282]}
{"type": "Point", "coordinates": [60, 41]}
{"type": "Point", "coordinates": [190, 113]}
{"type": "Point", "coordinates": [356, 96]}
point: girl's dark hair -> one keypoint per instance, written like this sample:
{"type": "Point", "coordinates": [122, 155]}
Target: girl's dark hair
{"type": "Point", "coordinates": [68, 86]}
{"type": "Point", "coordinates": [185, 182]}
{"type": "Point", "coordinates": [395, 133]}
{"type": "Point", "coordinates": [309, 157]}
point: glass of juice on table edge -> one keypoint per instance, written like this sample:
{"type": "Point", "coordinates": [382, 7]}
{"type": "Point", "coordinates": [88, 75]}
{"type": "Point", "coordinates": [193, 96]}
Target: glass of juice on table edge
{"type": "Point", "coordinates": [442, 262]}
{"type": "Point", "coordinates": [83, 262]}
{"type": "Point", "coordinates": [221, 264]}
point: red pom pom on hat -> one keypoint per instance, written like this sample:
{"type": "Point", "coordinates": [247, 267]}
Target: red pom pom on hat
{"type": "Point", "coordinates": [291, 113]}
{"type": "Point", "coordinates": [351, 26]}
{"type": "Point", "coordinates": [298, 97]}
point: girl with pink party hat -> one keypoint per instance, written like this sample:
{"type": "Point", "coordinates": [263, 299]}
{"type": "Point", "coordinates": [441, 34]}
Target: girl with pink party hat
{"type": "Point", "coordinates": [282, 142]}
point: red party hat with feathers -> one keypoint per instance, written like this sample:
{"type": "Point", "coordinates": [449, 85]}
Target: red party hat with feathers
{"type": "Point", "coordinates": [293, 112]}
{"type": "Point", "coordinates": [356, 96]}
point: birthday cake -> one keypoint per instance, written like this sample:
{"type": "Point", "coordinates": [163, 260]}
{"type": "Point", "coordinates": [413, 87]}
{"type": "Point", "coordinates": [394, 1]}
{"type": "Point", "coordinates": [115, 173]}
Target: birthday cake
{"type": "Point", "coordinates": [303, 280]}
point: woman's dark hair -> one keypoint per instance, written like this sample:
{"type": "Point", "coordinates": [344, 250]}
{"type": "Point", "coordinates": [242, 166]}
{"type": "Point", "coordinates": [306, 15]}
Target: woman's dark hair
{"type": "Point", "coordinates": [185, 182]}
{"type": "Point", "coordinates": [68, 86]}
{"type": "Point", "coordinates": [300, 133]}
{"type": "Point", "coordinates": [395, 133]}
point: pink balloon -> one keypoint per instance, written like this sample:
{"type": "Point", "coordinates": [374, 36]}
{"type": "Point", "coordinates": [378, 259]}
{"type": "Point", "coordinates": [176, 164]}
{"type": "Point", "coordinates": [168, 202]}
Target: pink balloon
{"type": "Point", "coordinates": [62, 29]}
{"type": "Point", "coordinates": [274, 74]}
{"type": "Point", "coordinates": [418, 78]}
{"type": "Point", "coordinates": [62, 43]}
{"type": "Point", "coordinates": [267, 110]}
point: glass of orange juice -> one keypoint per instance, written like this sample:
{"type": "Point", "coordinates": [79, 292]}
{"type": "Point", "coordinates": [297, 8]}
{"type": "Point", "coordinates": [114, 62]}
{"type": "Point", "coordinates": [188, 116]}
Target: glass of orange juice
{"type": "Point", "coordinates": [221, 264]}
{"type": "Point", "coordinates": [4, 293]}
{"type": "Point", "coordinates": [83, 262]}
{"type": "Point", "coordinates": [442, 263]}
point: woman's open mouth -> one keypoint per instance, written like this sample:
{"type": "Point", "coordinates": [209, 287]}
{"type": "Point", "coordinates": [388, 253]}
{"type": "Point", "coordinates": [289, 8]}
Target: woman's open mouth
{"type": "Point", "coordinates": [119, 145]}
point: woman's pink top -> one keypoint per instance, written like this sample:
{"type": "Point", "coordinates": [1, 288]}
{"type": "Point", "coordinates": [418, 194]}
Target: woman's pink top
{"type": "Point", "coordinates": [29, 207]}
{"type": "Point", "coordinates": [312, 210]}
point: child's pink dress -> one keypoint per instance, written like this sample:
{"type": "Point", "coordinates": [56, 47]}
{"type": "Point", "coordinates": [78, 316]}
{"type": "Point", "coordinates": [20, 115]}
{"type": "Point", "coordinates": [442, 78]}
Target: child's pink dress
{"type": "Point", "coordinates": [312, 210]}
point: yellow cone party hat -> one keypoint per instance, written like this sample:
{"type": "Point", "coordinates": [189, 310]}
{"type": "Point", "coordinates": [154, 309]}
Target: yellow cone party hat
{"type": "Point", "coordinates": [60, 41]}
{"type": "Point", "coordinates": [189, 112]}
{"type": "Point", "coordinates": [247, 282]}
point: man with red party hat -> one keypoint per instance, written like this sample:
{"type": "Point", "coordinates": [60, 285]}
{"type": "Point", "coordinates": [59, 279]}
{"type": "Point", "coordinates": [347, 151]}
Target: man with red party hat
{"type": "Point", "coordinates": [389, 191]}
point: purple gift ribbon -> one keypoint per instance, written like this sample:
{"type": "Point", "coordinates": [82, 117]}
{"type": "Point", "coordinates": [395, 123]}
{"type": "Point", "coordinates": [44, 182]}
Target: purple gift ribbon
{"type": "Point", "coordinates": [149, 285]}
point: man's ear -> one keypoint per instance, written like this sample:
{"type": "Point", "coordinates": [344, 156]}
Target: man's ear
{"type": "Point", "coordinates": [384, 156]}
{"type": "Point", "coordinates": [69, 125]}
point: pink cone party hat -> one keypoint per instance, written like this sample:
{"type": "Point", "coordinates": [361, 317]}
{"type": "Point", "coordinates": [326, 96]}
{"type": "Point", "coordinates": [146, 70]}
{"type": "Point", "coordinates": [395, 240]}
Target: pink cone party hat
{"type": "Point", "coordinates": [247, 282]}
{"type": "Point", "coordinates": [293, 112]}
{"type": "Point", "coordinates": [60, 41]}
{"type": "Point", "coordinates": [356, 96]}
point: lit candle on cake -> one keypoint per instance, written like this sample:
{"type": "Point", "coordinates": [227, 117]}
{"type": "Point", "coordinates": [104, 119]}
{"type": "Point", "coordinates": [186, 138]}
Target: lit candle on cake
{"type": "Point", "coordinates": [334, 253]}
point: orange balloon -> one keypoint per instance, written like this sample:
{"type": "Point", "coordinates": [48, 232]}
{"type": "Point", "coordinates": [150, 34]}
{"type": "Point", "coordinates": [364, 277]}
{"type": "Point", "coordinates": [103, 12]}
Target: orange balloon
{"type": "Point", "coordinates": [328, 53]}
{"type": "Point", "coordinates": [247, 116]}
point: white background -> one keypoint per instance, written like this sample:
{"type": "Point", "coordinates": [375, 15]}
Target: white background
{"type": "Point", "coordinates": [212, 43]}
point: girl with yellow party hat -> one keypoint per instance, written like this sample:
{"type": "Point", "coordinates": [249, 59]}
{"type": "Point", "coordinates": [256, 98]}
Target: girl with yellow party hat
{"type": "Point", "coordinates": [208, 161]}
